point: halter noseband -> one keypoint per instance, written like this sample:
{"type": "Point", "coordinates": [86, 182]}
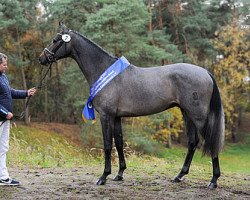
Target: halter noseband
{"type": "Point", "coordinates": [50, 54]}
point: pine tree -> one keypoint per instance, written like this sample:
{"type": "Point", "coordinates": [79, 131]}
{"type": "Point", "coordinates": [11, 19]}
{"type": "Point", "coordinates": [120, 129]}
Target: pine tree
{"type": "Point", "coordinates": [105, 25]}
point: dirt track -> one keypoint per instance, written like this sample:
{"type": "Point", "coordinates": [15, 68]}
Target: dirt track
{"type": "Point", "coordinates": [79, 183]}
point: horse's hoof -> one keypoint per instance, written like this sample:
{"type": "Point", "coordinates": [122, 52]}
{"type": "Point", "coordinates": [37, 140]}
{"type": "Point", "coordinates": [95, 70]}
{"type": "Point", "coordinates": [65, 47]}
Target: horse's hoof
{"type": "Point", "coordinates": [177, 179]}
{"type": "Point", "coordinates": [212, 185]}
{"type": "Point", "coordinates": [101, 182]}
{"type": "Point", "coordinates": [118, 178]}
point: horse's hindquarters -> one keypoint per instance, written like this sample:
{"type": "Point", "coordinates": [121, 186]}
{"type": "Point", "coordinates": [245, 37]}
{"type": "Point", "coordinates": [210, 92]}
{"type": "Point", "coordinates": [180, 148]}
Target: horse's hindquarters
{"type": "Point", "coordinates": [194, 88]}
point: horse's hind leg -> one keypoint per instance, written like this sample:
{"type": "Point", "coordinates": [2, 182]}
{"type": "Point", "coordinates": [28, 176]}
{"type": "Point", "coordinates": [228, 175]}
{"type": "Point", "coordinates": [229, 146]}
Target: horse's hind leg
{"type": "Point", "coordinates": [107, 131]}
{"type": "Point", "coordinates": [192, 145]}
{"type": "Point", "coordinates": [119, 146]}
{"type": "Point", "coordinates": [216, 173]}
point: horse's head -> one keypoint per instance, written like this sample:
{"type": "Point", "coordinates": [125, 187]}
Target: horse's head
{"type": "Point", "coordinates": [58, 48]}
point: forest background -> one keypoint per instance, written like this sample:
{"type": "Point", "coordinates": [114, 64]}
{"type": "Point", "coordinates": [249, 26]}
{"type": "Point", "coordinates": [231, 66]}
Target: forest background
{"type": "Point", "coordinates": [213, 34]}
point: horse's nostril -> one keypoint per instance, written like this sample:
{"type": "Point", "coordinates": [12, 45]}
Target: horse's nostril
{"type": "Point", "coordinates": [40, 60]}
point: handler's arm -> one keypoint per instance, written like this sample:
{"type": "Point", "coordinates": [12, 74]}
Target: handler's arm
{"type": "Point", "coordinates": [19, 94]}
{"type": "Point", "coordinates": [22, 94]}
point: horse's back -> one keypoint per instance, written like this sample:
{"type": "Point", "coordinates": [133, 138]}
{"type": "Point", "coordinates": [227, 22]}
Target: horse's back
{"type": "Point", "coordinates": [180, 78]}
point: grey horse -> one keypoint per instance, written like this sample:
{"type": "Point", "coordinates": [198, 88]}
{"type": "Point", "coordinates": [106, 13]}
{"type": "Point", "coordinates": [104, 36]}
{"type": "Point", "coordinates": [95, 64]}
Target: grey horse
{"type": "Point", "coordinates": [139, 91]}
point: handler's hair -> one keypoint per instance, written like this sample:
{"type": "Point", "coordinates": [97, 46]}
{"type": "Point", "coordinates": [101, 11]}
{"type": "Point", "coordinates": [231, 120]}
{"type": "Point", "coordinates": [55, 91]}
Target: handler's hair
{"type": "Point", "coordinates": [2, 56]}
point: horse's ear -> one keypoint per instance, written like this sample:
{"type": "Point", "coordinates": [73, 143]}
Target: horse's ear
{"type": "Point", "coordinates": [60, 24]}
{"type": "Point", "coordinates": [63, 27]}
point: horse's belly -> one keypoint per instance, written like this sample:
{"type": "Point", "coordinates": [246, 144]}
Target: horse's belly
{"type": "Point", "coordinates": [144, 105]}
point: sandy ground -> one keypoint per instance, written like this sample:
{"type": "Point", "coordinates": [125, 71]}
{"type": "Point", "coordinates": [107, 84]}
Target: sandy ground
{"type": "Point", "coordinates": [79, 183]}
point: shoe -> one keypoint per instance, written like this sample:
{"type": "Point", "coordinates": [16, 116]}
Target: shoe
{"type": "Point", "coordinates": [9, 181]}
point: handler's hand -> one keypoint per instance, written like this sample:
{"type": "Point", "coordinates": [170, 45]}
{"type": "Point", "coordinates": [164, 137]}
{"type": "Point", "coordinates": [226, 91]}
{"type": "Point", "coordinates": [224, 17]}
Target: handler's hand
{"type": "Point", "coordinates": [9, 115]}
{"type": "Point", "coordinates": [31, 91]}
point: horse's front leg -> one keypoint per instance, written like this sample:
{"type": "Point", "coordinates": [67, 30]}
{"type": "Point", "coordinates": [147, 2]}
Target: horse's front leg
{"type": "Point", "coordinates": [119, 147]}
{"type": "Point", "coordinates": [107, 131]}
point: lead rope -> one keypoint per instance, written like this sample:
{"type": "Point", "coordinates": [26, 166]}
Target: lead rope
{"type": "Point", "coordinates": [39, 86]}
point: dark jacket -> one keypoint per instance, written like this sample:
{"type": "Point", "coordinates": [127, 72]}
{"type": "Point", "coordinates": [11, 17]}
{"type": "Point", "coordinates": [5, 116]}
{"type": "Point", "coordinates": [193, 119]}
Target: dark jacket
{"type": "Point", "coordinates": [6, 96]}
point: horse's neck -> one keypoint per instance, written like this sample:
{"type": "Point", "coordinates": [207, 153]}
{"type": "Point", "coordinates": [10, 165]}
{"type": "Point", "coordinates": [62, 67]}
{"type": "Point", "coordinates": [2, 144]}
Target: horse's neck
{"type": "Point", "coordinates": [92, 60]}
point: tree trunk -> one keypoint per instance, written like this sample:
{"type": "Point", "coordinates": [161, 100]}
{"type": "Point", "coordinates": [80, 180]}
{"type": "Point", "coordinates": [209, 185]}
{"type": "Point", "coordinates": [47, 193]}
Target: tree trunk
{"type": "Point", "coordinates": [150, 25]}
{"type": "Point", "coordinates": [175, 14]}
{"type": "Point", "coordinates": [27, 120]}
{"type": "Point", "coordinates": [150, 29]}
{"type": "Point", "coordinates": [160, 15]}
{"type": "Point", "coordinates": [46, 102]}
{"type": "Point", "coordinates": [57, 95]}
{"type": "Point", "coordinates": [169, 142]}
{"type": "Point", "coordinates": [239, 120]}
{"type": "Point", "coordinates": [234, 129]}
{"type": "Point", "coordinates": [177, 38]}
{"type": "Point", "coordinates": [233, 135]}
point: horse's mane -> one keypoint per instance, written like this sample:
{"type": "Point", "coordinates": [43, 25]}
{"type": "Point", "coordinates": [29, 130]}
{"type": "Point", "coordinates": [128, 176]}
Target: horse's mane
{"type": "Point", "coordinates": [93, 43]}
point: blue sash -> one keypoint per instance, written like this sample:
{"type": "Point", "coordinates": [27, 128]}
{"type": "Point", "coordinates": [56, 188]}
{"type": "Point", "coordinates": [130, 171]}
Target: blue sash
{"type": "Point", "coordinates": [115, 69]}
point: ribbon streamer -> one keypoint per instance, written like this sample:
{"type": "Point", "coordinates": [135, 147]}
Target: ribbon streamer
{"type": "Point", "coordinates": [115, 69]}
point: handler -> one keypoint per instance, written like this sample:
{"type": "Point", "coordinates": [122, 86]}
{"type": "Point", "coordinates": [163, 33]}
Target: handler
{"type": "Point", "coordinates": [6, 95]}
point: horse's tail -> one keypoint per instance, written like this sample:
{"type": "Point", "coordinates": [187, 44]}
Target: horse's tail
{"type": "Point", "coordinates": [215, 125]}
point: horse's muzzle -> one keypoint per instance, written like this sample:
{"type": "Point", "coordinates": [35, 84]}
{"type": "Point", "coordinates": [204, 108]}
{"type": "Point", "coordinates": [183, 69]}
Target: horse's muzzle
{"type": "Point", "coordinates": [42, 60]}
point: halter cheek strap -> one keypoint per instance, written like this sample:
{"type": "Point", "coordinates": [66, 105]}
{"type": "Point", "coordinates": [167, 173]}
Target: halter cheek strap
{"type": "Point", "coordinates": [49, 55]}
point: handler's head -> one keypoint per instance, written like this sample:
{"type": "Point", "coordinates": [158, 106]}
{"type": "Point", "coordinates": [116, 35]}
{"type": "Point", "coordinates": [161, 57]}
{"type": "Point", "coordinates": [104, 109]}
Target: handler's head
{"type": "Point", "coordinates": [3, 63]}
{"type": "Point", "coordinates": [2, 57]}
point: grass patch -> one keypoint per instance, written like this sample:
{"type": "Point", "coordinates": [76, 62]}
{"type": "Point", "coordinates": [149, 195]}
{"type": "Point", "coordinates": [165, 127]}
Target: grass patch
{"type": "Point", "coordinates": [236, 157]}
{"type": "Point", "coordinates": [36, 148]}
